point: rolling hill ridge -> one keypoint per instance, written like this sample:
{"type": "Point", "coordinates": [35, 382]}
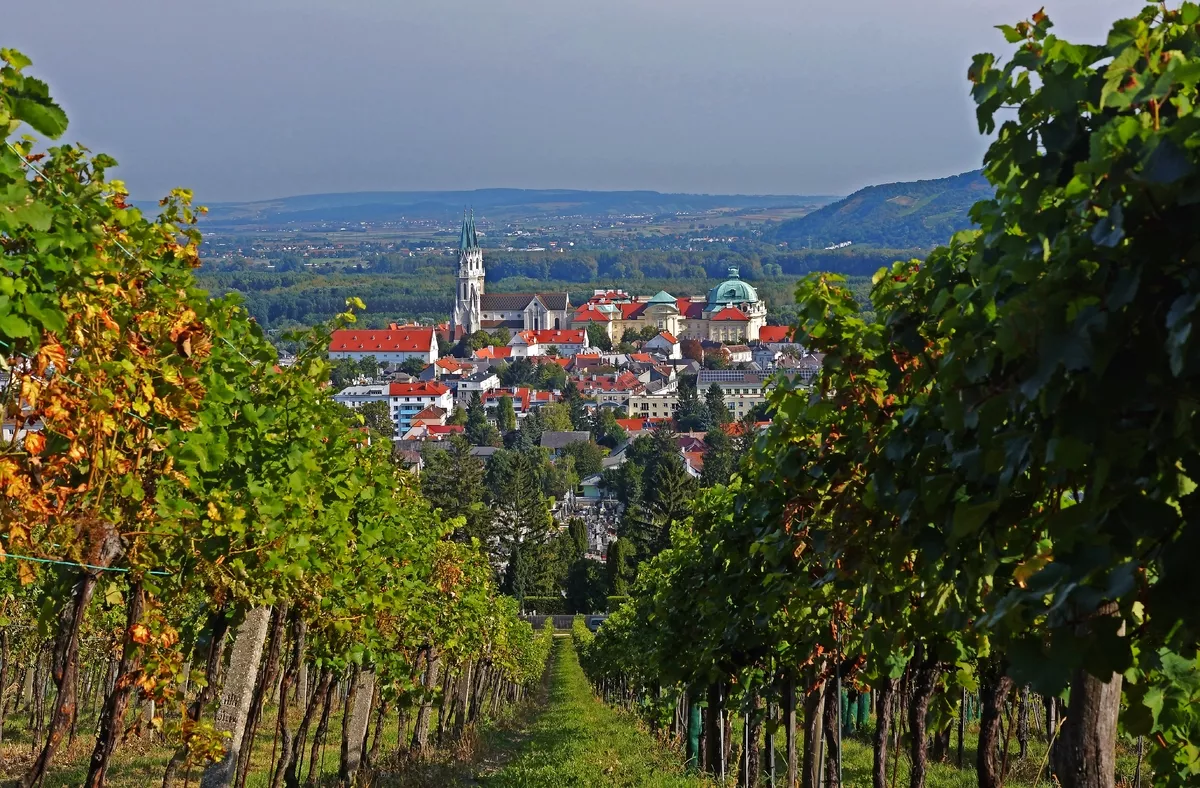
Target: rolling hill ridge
{"type": "Point", "coordinates": [914, 214]}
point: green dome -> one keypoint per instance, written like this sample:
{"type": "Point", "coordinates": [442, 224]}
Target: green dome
{"type": "Point", "coordinates": [732, 291]}
{"type": "Point", "coordinates": [663, 297]}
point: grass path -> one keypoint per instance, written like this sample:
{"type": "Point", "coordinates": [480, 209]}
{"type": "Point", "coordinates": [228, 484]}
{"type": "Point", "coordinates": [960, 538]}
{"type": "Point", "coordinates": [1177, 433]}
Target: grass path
{"type": "Point", "coordinates": [578, 741]}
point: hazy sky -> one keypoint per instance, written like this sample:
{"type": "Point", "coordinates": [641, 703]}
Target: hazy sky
{"type": "Point", "coordinates": [246, 99]}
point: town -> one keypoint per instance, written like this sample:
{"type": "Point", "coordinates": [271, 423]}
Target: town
{"type": "Point", "coordinates": [586, 381]}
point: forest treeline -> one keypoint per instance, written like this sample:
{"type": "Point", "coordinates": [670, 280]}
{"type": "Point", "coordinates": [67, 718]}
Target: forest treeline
{"type": "Point", "coordinates": [396, 286]}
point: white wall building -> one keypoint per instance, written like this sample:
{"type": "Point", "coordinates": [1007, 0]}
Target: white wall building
{"type": "Point", "coordinates": [404, 400]}
{"type": "Point", "coordinates": [392, 345]}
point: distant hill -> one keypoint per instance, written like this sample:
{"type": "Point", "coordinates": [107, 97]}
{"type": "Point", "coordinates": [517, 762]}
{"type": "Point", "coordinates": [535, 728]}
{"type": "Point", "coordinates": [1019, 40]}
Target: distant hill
{"type": "Point", "coordinates": [497, 204]}
{"type": "Point", "coordinates": [918, 214]}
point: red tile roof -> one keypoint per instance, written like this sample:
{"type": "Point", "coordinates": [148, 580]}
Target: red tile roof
{"type": "Point", "coordinates": [589, 314]}
{"type": "Point", "coordinates": [631, 311]}
{"type": "Point", "coordinates": [433, 412]}
{"type": "Point", "coordinates": [643, 357]}
{"type": "Point", "coordinates": [641, 425]}
{"type": "Point", "coordinates": [523, 398]}
{"type": "Point", "coordinates": [667, 335]}
{"type": "Point", "coordinates": [729, 313]}
{"type": "Point", "coordinates": [775, 334]}
{"type": "Point", "coordinates": [448, 429]}
{"type": "Point", "coordinates": [493, 352]}
{"type": "Point", "coordinates": [451, 364]}
{"type": "Point", "coordinates": [693, 310]}
{"type": "Point", "coordinates": [395, 339]}
{"type": "Point", "coordinates": [625, 381]}
{"type": "Point", "coordinates": [429, 388]}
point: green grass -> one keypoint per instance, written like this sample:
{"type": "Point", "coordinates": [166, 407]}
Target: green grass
{"type": "Point", "coordinates": [579, 741]}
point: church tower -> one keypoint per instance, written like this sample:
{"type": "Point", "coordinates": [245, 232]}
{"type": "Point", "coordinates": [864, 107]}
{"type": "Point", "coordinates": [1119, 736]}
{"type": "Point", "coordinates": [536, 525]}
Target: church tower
{"type": "Point", "coordinates": [467, 319]}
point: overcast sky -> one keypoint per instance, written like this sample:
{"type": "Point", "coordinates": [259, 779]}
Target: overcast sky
{"type": "Point", "coordinates": [248, 99]}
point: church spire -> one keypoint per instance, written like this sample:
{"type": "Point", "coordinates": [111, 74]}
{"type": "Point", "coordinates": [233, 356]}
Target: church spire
{"type": "Point", "coordinates": [464, 235]}
{"type": "Point", "coordinates": [467, 237]}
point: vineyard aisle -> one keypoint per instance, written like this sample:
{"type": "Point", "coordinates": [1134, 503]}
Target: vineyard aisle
{"type": "Point", "coordinates": [578, 740]}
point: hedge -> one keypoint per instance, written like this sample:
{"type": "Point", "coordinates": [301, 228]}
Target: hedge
{"type": "Point", "coordinates": [545, 605]}
{"type": "Point", "coordinates": [615, 602]}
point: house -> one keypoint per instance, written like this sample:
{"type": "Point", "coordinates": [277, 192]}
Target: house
{"type": "Point", "coordinates": [591, 487]}
{"type": "Point", "coordinates": [392, 345]}
{"type": "Point", "coordinates": [493, 354]}
{"type": "Point", "coordinates": [536, 343]}
{"type": "Point", "coordinates": [433, 416]}
{"type": "Point", "coordinates": [658, 401]}
{"type": "Point", "coordinates": [447, 366]}
{"type": "Point", "coordinates": [740, 354]}
{"type": "Point", "coordinates": [743, 390]}
{"type": "Point", "coordinates": [523, 400]}
{"type": "Point", "coordinates": [433, 432]}
{"type": "Point", "coordinates": [665, 344]}
{"type": "Point", "coordinates": [779, 338]}
{"type": "Point", "coordinates": [479, 383]}
{"type": "Point", "coordinates": [769, 335]}
{"type": "Point", "coordinates": [611, 390]}
{"type": "Point", "coordinates": [404, 400]}
{"type": "Point", "coordinates": [556, 441]}
{"type": "Point", "coordinates": [592, 313]}
{"type": "Point", "coordinates": [765, 356]}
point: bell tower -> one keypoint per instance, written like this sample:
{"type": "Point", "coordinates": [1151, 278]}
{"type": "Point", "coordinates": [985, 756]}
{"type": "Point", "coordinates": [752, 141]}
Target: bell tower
{"type": "Point", "coordinates": [467, 319]}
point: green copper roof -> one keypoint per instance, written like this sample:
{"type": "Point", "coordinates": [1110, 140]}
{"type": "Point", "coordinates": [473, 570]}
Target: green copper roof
{"type": "Point", "coordinates": [662, 297]}
{"type": "Point", "coordinates": [732, 291]}
{"type": "Point", "coordinates": [467, 237]}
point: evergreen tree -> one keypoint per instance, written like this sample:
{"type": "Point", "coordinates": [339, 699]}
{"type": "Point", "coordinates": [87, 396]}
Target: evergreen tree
{"type": "Point", "coordinates": [574, 402]}
{"type": "Point", "coordinates": [669, 493]}
{"type": "Point", "coordinates": [577, 530]}
{"type": "Point", "coordinates": [745, 435]}
{"type": "Point", "coordinates": [586, 587]}
{"type": "Point", "coordinates": [621, 569]}
{"type": "Point", "coordinates": [531, 429]}
{"type": "Point", "coordinates": [506, 417]}
{"type": "Point", "coordinates": [516, 574]}
{"type": "Point", "coordinates": [692, 414]}
{"type": "Point", "coordinates": [720, 461]}
{"type": "Point", "coordinates": [547, 566]}
{"type": "Point", "coordinates": [517, 497]}
{"type": "Point", "coordinates": [452, 481]}
{"type": "Point", "coordinates": [714, 401]}
{"type": "Point", "coordinates": [479, 432]}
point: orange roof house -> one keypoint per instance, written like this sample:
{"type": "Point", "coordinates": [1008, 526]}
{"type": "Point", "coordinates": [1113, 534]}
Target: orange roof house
{"type": "Point", "coordinates": [775, 334]}
{"type": "Point", "coordinates": [394, 343]}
